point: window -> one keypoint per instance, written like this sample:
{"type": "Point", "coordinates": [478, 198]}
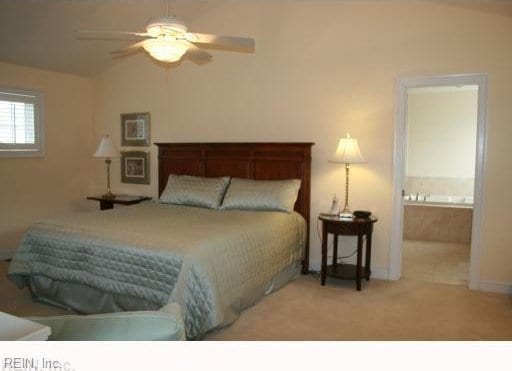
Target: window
{"type": "Point", "coordinates": [21, 123]}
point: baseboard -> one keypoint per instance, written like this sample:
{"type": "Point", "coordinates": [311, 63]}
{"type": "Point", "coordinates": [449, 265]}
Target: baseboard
{"type": "Point", "coordinates": [6, 254]}
{"type": "Point", "coordinates": [499, 287]}
{"type": "Point", "coordinates": [383, 274]}
{"type": "Point", "coordinates": [378, 273]}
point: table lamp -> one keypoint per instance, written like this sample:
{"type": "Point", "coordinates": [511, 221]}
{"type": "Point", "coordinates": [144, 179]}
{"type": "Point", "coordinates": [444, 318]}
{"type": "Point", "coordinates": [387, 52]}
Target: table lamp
{"type": "Point", "coordinates": [107, 150]}
{"type": "Point", "coordinates": [347, 153]}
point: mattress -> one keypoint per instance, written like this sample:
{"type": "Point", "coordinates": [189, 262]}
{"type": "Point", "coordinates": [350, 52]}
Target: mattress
{"type": "Point", "coordinates": [213, 263]}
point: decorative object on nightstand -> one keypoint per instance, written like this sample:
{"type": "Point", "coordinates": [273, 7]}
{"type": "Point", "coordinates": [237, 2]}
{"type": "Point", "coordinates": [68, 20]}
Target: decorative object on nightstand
{"type": "Point", "coordinates": [362, 214]}
{"type": "Point", "coordinates": [335, 206]}
{"type": "Point", "coordinates": [360, 227]}
{"type": "Point", "coordinates": [107, 203]}
{"type": "Point", "coordinates": [347, 153]}
{"type": "Point", "coordinates": [108, 151]}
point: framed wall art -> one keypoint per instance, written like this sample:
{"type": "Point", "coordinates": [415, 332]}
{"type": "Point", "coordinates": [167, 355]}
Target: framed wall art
{"type": "Point", "coordinates": [135, 129]}
{"type": "Point", "coordinates": [135, 167]}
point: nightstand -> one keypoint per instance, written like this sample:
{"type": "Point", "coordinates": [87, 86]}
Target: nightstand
{"type": "Point", "coordinates": [108, 203]}
{"type": "Point", "coordinates": [341, 227]}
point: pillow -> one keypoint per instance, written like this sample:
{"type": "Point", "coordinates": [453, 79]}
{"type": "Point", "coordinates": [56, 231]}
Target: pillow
{"type": "Point", "coordinates": [274, 195]}
{"type": "Point", "coordinates": [194, 191]}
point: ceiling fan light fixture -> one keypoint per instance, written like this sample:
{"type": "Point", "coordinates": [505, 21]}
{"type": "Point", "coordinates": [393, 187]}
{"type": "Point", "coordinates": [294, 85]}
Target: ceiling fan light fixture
{"type": "Point", "coordinates": [165, 25]}
{"type": "Point", "coordinates": [165, 49]}
{"type": "Point", "coordinates": [154, 31]}
{"type": "Point", "coordinates": [166, 39]}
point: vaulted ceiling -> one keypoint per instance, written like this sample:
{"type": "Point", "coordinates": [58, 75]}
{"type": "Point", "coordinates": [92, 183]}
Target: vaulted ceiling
{"type": "Point", "coordinates": [41, 33]}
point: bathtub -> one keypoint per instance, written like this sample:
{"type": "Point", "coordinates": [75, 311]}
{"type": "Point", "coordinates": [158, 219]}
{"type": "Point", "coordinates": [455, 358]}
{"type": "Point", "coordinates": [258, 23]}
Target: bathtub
{"type": "Point", "coordinates": [438, 218]}
{"type": "Point", "coordinates": [439, 200]}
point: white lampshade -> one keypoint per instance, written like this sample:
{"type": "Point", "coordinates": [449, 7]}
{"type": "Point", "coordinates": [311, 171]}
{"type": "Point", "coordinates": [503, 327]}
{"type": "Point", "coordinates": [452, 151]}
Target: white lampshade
{"type": "Point", "coordinates": [165, 49]}
{"type": "Point", "coordinates": [348, 152]}
{"type": "Point", "coordinates": [106, 149]}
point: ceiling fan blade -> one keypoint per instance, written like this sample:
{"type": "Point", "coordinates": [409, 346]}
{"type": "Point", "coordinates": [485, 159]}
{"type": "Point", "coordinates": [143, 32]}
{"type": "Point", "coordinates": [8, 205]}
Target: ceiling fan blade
{"type": "Point", "coordinates": [197, 55]}
{"type": "Point", "coordinates": [222, 42]}
{"type": "Point", "coordinates": [111, 35]}
{"type": "Point", "coordinates": [129, 49]}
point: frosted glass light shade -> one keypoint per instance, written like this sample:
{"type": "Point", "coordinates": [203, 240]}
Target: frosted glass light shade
{"type": "Point", "coordinates": [165, 49]}
{"type": "Point", "coordinates": [348, 152]}
{"type": "Point", "coordinates": [106, 149]}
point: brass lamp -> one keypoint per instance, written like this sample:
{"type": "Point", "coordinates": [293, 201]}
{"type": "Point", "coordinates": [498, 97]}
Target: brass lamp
{"type": "Point", "coordinates": [108, 151]}
{"type": "Point", "coordinates": [347, 153]}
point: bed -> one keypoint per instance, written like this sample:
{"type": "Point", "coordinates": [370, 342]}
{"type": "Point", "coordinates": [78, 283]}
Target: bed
{"type": "Point", "coordinates": [213, 263]}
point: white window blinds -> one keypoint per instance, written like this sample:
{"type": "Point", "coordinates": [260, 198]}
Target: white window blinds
{"type": "Point", "coordinates": [20, 124]}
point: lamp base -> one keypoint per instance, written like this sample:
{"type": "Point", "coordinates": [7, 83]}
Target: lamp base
{"type": "Point", "coordinates": [109, 195]}
{"type": "Point", "coordinates": [346, 215]}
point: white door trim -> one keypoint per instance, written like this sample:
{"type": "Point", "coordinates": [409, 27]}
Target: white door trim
{"type": "Point", "coordinates": [400, 148]}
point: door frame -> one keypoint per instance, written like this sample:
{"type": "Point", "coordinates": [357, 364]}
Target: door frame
{"type": "Point", "coordinates": [400, 155]}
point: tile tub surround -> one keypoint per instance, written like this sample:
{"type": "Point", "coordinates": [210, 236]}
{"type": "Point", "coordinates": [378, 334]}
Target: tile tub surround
{"type": "Point", "coordinates": [438, 200]}
{"type": "Point", "coordinates": [440, 186]}
{"type": "Point", "coordinates": [438, 223]}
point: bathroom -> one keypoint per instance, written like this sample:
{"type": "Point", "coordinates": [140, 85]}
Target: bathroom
{"type": "Point", "coordinates": [439, 183]}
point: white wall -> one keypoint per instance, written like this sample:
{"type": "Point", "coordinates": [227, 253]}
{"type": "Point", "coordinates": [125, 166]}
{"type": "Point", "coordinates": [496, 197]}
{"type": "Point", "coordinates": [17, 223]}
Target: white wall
{"type": "Point", "coordinates": [322, 69]}
{"type": "Point", "coordinates": [441, 129]}
{"type": "Point", "coordinates": [37, 188]}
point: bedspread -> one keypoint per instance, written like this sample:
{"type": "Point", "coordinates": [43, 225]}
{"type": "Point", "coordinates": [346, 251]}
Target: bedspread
{"type": "Point", "coordinates": [213, 263]}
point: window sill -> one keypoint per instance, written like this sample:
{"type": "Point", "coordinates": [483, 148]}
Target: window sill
{"type": "Point", "coordinates": [21, 153]}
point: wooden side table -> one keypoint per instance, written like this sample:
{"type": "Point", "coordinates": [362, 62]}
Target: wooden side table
{"type": "Point", "coordinates": [342, 227]}
{"type": "Point", "coordinates": [108, 203]}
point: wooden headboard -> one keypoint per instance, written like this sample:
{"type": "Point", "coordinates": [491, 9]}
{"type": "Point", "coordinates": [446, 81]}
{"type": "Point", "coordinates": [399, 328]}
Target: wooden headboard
{"type": "Point", "coordinates": [261, 161]}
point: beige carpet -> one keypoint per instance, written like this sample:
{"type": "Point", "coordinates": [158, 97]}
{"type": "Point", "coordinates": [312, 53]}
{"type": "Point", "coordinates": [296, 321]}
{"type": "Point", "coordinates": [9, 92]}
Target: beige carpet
{"type": "Point", "coordinates": [440, 262]}
{"type": "Point", "coordinates": [384, 310]}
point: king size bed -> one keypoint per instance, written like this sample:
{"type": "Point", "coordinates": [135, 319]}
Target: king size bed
{"type": "Point", "coordinates": [212, 260]}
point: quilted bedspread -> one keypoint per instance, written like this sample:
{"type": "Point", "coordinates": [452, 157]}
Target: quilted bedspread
{"type": "Point", "coordinates": [212, 263]}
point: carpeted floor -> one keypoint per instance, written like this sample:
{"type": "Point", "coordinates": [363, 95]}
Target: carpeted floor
{"type": "Point", "coordinates": [384, 310]}
{"type": "Point", "coordinates": [432, 261]}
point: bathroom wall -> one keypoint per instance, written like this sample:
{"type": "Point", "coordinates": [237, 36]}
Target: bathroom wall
{"type": "Point", "coordinates": [442, 124]}
{"type": "Point", "coordinates": [446, 186]}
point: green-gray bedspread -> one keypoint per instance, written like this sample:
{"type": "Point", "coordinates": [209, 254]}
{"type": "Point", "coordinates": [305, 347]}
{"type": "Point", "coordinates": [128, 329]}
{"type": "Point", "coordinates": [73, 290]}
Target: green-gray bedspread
{"type": "Point", "coordinates": [213, 263]}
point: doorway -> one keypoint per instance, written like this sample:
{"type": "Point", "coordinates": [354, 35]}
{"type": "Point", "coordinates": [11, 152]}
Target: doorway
{"type": "Point", "coordinates": [438, 179]}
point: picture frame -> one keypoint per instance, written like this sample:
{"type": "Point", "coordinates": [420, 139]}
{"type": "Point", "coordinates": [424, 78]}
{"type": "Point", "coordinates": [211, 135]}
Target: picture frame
{"type": "Point", "coordinates": [135, 129]}
{"type": "Point", "coordinates": [135, 167]}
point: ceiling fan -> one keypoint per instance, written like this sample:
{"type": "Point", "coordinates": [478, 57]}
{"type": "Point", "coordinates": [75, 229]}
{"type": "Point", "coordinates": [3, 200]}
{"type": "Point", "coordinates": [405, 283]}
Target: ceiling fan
{"type": "Point", "coordinates": [168, 40]}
